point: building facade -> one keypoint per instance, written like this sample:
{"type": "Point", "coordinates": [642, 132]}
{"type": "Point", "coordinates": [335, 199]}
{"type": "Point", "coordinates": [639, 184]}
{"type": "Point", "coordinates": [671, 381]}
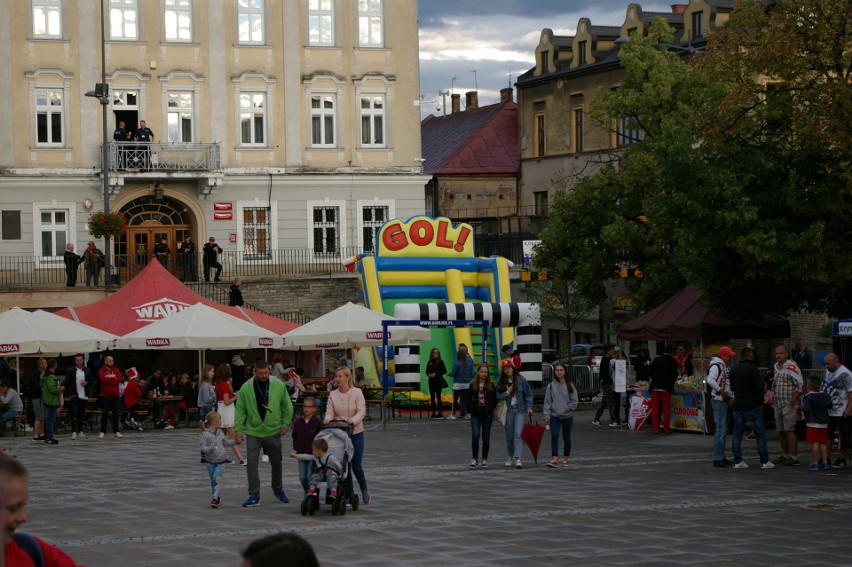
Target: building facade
{"type": "Point", "coordinates": [561, 144]}
{"type": "Point", "coordinates": [278, 124]}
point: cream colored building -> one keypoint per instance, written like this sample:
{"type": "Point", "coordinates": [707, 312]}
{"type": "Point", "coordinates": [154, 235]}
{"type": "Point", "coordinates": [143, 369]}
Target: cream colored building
{"type": "Point", "coordinates": [278, 123]}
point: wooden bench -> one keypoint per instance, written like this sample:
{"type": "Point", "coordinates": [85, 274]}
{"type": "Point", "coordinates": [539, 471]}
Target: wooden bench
{"type": "Point", "coordinates": [191, 417]}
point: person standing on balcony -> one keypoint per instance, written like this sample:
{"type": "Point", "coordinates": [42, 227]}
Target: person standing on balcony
{"type": "Point", "coordinates": [120, 135]}
{"type": "Point", "coordinates": [161, 252]}
{"type": "Point", "coordinates": [189, 265]}
{"type": "Point", "coordinates": [93, 261]}
{"type": "Point", "coordinates": [145, 137]}
{"type": "Point", "coordinates": [210, 259]}
{"type": "Point", "coordinates": [72, 261]}
{"type": "Point", "coordinates": [235, 296]}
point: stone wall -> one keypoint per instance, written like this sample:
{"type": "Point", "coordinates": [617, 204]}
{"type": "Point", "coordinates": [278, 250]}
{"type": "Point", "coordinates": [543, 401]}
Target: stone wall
{"type": "Point", "coordinates": [311, 296]}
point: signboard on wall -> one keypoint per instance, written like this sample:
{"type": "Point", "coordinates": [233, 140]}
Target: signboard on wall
{"type": "Point", "coordinates": [223, 216]}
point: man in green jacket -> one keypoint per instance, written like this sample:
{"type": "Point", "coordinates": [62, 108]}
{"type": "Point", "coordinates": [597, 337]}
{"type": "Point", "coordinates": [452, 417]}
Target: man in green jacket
{"type": "Point", "coordinates": [264, 412]}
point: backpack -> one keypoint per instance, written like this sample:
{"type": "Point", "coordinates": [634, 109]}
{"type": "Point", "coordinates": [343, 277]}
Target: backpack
{"type": "Point", "coordinates": [31, 547]}
{"type": "Point", "coordinates": [707, 389]}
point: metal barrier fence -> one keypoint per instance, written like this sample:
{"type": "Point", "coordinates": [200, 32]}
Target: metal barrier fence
{"type": "Point", "coordinates": [27, 270]}
{"type": "Point", "coordinates": [587, 382]}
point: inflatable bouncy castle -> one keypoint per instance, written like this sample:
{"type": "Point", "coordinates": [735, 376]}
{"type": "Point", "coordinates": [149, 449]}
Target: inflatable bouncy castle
{"type": "Point", "coordinates": [425, 269]}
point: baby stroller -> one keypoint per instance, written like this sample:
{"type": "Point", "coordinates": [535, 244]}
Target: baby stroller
{"type": "Point", "coordinates": [339, 445]}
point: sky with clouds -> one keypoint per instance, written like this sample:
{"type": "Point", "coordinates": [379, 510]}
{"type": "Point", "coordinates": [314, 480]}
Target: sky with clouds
{"type": "Point", "coordinates": [497, 39]}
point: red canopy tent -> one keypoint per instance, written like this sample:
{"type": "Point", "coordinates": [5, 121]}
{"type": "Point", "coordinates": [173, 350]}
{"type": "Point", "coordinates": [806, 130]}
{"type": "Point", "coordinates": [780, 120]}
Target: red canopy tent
{"type": "Point", "coordinates": [152, 295]}
{"type": "Point", "coordinates": [684, 317]}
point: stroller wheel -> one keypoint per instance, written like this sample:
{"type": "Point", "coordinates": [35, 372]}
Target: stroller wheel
{"type": "Point", "coordinates": [334, 509]}
{"type": "Point", "coordinates": [341, 505]}
{"type": "Point", "coordinates": [354, 501]}
{"type": "Point", "coordinates": [311, 510]}
{"type": "Point", "coordinates": [304, 507]}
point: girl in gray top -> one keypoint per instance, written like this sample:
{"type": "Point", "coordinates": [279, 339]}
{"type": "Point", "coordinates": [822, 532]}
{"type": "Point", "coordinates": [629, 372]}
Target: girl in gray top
{"type": "Point", "coordinates": [560, 401]}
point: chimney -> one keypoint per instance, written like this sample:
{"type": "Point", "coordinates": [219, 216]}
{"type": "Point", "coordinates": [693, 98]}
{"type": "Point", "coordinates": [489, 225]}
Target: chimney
{"type": "Point", "coordinates": [471, 100]}
{"type": "Point", "coordinates": [679, 8]}
{"type": "Point", "coordinates": [456, 103]}
{"type": "Point", "coordinates": [506, 94]}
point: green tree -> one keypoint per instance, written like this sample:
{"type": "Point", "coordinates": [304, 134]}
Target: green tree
{"type": "Point", "coordinates": [559, 300]}
{"type": "Point", "coordinates": [741, 184]}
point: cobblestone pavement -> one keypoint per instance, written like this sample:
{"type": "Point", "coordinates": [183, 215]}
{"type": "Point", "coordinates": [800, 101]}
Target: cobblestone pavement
{"type": "Point", "coordinates": [626, 499]}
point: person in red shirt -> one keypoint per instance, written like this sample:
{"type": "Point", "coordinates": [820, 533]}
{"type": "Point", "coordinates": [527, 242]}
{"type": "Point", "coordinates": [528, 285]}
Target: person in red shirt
{"type": "Point", "coordinates": [133, 399]}
{"type": "Point", "coordinates": [226, 399]}
{"type": "Point", "coordinates": [110, 379]}
{"type": "Point", "coordinates": [511, 354]}
{"type": "Point", "coordinates": [19, 550]}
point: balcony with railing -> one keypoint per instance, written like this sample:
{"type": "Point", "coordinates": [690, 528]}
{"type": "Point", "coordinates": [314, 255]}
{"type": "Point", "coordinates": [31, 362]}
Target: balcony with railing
{"type": "Point", "coordinates": [24, 271]}
{"type": "Point", "coordinates": [163, 157]}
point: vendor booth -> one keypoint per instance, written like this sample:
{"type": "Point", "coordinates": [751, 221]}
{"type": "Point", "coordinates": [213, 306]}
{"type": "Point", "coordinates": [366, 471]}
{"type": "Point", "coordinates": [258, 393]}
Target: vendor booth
{"type": "Point", "coordinates": [841, 337]}
{"type": "Point", "coordinates": [684, 318]}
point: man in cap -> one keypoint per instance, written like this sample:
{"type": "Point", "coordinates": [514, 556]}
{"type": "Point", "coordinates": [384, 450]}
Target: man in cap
{"type": "Point", "coordinates": [210, 259]}
{"type": "Point", "coordinates": [161, 252]}
{"type": "Point", "coordinates": [721, 398]}
{"type": "Point", "coordinates": [189, 266]}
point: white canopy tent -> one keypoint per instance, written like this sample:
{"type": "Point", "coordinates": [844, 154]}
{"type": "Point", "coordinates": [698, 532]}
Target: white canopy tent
{"type": "Point", "coordinates": [199, 327]}
{"type": "Point", "coordinates": [41, 332]}
{"type": "Point", "coordinates": [351, 325]}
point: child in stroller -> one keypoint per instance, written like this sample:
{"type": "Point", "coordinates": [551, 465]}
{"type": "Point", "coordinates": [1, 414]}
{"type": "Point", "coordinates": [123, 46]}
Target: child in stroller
{"type": "Point", "coordinates": [331, 464]}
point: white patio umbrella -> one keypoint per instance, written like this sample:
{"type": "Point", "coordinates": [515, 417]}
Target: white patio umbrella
{"type": "Point", "coordinates": [41, 332]}
{"type": "Point", "coordinates": [351, 325]}
{"type": "Point", "coordinates": [199, 327]}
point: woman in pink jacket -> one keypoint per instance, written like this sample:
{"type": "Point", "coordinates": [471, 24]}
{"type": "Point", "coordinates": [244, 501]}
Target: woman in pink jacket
{"type": "Point", "coordinates": [346, 403]}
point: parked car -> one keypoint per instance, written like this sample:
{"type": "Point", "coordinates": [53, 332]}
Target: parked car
{"type": "Point", "coordinates": [549, 355]}
{"type": "Point", "coordinates": [585, 355]}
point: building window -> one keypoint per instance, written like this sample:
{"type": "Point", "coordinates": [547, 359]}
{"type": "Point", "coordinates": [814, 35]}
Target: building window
{"type": "Point", "coordinates": [697, 25]}
{"type": "Point", "coordinates": [370, 23]}
{"type": "Point", "coordinates": [49, 117]}
{"type": "Point", "coordinates": [373, 215]}
{"type": "Point", "coordinates": [326, 229]}
{"type": "Point", "coordinates": [578, 129]}
{"type": "Point", "coordinates": [256, 232]}
{"type": "Point", "coordinates": [540, 203]}
{"type": "Point", "coordinates": [581, 48]}
{"type": "Point", "coordinates": [545, 61]}
{"type": "Point", "coordinates": [250, 21]}
{"type": "Point", "coordinates": [11, 225]}
{"type": "Point", "coordinates": [252, 119]}
{"type": "Point", "coordinates": [178, 20]}
{"type": "Point", "coordinates": [323, 118]}
{"type": "Point", "coordinates": [628, 131]}
{"type": "Point", "coordinates": [179, 117]}
{"type": "Point", "coordinates": [321, 22]}
{"type": "Point", "coordinates": [123, 19]}
{"type": "Point", "coordinates": [52, 230]}
{"type": "Point", "coordinates": [373, 121]}
{"type": "Point", "coordinates": [47, 18]}
{"type": "Point", "coordinates": [539, 135]}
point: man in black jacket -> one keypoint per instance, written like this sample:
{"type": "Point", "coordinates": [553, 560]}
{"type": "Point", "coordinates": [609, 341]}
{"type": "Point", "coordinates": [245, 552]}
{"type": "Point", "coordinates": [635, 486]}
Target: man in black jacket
{"type": "Point", "coordinates": [664, 374]}
{"type": "Point", "coordinates": [78, 385]}
{"type": "Point", "coordinates": [210, 259]}
{"type": "Point", "coordinates": [72, 261]}
{"type": "Point", "coordinates": [608, 399]}
{"type": "Point", "coordinates": [747, 385]}
{"type": "Point", "coordinates": [235, 295]}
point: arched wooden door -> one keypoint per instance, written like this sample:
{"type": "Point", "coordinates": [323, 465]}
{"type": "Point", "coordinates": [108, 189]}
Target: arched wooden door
{"type": "Point", "coordinates": [149, 220]}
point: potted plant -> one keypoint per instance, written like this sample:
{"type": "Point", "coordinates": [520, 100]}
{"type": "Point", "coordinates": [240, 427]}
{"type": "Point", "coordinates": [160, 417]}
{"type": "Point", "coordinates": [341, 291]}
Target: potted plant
{"type": "Point", "coordinates": [110, 225]}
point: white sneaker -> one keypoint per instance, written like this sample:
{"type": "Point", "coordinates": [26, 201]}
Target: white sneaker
{"type": "Point", "coordinates": [101, 435]}
{"type": "Point", "coordinates": [81, 435]}
{"type": "Point", "coordinates": [118, 434]}
{"type": "Point", "coordinates": [484, 464]}
{"type": "Point", "coordinates": [73, 437]}
{"type": "Point", "coordinates": [473, 463]}
{"type": "Point", "coordinates": [741, 465]}
{"type": "Point", "coordinates": [451, 417]}
{"type": "Point", "coordinates": [518, 464]}
{"type": "Point", "coordinates": [508, 462]}
{"type": "Point", "coordinates": [134, 424]}
{"type": "Point", "coordinates": [768, 465]}
{"type": "Point", "coordinates": [170, 426]}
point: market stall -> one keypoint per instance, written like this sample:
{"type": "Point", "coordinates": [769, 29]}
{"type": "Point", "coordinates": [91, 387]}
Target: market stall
{"type": "Point", "coordinates": [684, 318]}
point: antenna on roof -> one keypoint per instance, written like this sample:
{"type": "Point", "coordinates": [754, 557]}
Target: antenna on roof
{"type": "Point", "coordinates": [453, 85]}
{"type": "Point", "coordinates": [475, 84]}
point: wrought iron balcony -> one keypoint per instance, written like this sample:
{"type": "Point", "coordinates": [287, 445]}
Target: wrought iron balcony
{"type": "Point", "coordinates": [138, 157]}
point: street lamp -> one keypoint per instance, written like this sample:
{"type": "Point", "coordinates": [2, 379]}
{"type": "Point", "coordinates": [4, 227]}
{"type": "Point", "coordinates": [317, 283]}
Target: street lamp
{"type": "Point", "coordinates": [101, 93]}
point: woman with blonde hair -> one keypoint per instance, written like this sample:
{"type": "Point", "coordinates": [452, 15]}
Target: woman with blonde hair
{"type": "Point", "coordinates": [206, 394]}
{"type": "Point", "coordinates": [226, 398]}
{"type": "Point", "coordinates": [346, 404]}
